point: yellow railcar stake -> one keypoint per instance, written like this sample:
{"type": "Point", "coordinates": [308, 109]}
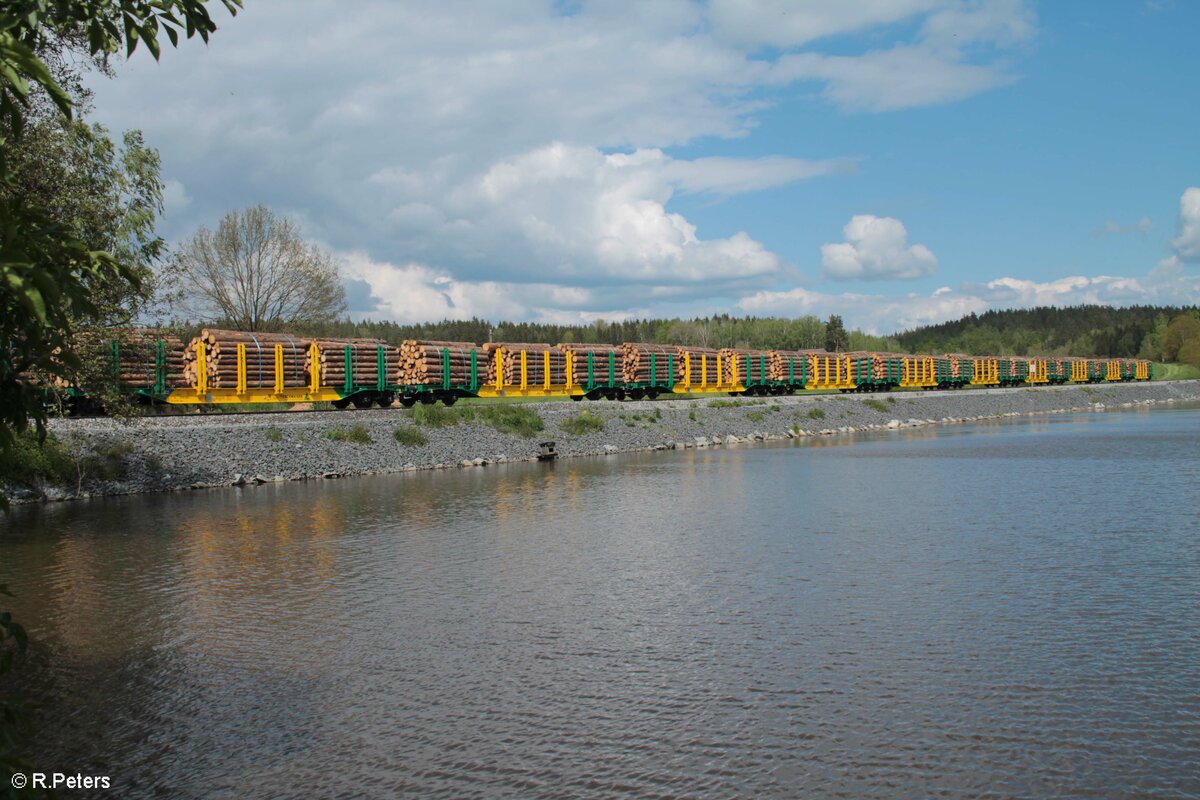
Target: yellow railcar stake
{"type": "Point", "coordinates": [703, 370]}
{"type": "Point", "coordinates": [201, 369]}
{"type": "Point", "coordinates": [499, 369]}
{"type": "Point", "coordinates": [278, 369]}
{"type": "Point", "coordinates": [546, 362]}
{"type": "Point", "coordinates": [314, 378]}
{"type": "Point", "coordinates": [241, 369]}
{"type": "Point", "coordinates": [570, 370]}
{"type": "Point", "coordinates": [524, 370]}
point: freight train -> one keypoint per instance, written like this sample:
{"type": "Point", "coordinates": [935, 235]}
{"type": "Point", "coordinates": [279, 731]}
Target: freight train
{"type": "Point", "coordinates": [237, 367]}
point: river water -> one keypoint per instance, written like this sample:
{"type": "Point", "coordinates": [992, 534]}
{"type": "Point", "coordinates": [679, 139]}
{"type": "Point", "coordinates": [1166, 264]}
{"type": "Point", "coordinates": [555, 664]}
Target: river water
{"type": "Point", "coordinates": [1002, 610]}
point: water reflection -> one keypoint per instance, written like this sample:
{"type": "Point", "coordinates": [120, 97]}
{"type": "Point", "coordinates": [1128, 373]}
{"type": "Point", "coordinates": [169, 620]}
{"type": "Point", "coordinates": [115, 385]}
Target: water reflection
{"type": "Point", "coordinates": [1006, 608]}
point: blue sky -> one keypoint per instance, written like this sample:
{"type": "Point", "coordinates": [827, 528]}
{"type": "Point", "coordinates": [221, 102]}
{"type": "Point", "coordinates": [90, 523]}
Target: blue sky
{"type": "Point", "coordinates": [895, 161]}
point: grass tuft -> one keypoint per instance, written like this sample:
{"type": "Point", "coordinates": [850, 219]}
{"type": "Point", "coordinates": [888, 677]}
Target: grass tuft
{"type": "Point", "coordinates": [358, 434]}
{"type": "Point", "coordinates": [583, 424]}
{"type": "Point", "coordinates": [409, 436]}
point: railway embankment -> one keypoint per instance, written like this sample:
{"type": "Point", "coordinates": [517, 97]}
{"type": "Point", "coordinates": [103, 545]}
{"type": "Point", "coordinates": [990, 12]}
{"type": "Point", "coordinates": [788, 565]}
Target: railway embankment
{"type": "Point", "coordinates": [96, 457]}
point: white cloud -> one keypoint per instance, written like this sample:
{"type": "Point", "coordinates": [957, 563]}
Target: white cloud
{"type": "Point", "coordinates": [1187, 243]}
{"type": "Point", "coordinates": [1167, 283]}
{"type": "Point", "coordinates": [876, 248]}
{"type": "Point", "coordinates": [581, 215]}
{"type": "Point", "coordinates": [889, 80]}
{"type": "Point", "coordinates": [510, 157]}
{"type": "Point", "coordinates": [786, 23]}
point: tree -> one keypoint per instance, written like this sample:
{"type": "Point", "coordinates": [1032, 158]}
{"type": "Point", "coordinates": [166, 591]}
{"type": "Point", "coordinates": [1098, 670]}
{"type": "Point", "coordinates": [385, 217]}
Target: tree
{"type": "Point", "coordinates": [257, 272]}
{"type": "Point", "coordinates": [50, 277]}
{"type": "Point", "coordinates": [1182, 330]}
{"type": "Point", "coordinates": [836, 338]}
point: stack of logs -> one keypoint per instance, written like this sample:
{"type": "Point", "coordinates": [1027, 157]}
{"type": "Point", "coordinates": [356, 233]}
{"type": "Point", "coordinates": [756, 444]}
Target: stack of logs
{"type": "Point", "coordinates": [364, 362]}
{"type": "Point", "coordinates": [423, 363]}
{"type": "Point", "coordinates": [783, 364]}
{"type": "Point", "coordinates": [635, 363]}
{"type": "Point", "coordinates": [221, 359]}
{"type": "Point", "coordinates": [136, 364]}
{"type": "Point", "coordinates": [829, 367]}
{"type": "Point", "coordinates": [600, 355]}
{"type": "Point", "coordinates": [960, 365]}
{"type": "Point", "coordinates": [703, 362]}
{"type": "Point", "coordinates": [744, 365]}
{"type": "Point", "coordinates": [875, 367]}
{"type": "Point", "coordinates": [535, 363]}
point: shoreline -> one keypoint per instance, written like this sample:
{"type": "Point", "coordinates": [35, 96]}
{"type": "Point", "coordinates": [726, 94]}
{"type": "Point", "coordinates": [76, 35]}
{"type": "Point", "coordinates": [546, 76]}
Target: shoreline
{"type": "Point", "coordinates": [197, 451]}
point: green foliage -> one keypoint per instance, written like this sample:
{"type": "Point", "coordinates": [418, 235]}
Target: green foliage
{"type": "Point", "coordinates": [1100, 331]}
{"type": "Point", "coordinates": [836, 338]}
{"type": "Point", "coordinates": [877, 405]}
{"type": "Point", "coordinates": [358, 434]}
{"type": "Point", "coordinates": [30, 460]}
{"type": "Point", "coordinates": [582, 424]}
{"type": "Point", "coordinates": [1180, 341]}
{"type": "Point", "coordinates": [755, 416]}
{"type": "Point", "coordinates": [692, 415]}
{"type": "Point", "coordinates": [718, 331]}
{"type": "Point", "coordinates": [273, 434]}
{"type": "Point", "coordinates": [511, 419]}
{"type": "Point", "coordinates": [723, 403]}
{"type": "Point", "coordinates": [1173, 372]}
{"type": "Point", "coordinates": [409, 436]}
{"type": "Point", "coordinates": [504, 418]}
{"type": "Point", "coordinates": [816, 413]}
{"type": "Point", "coordinates": [436, 416]}
{"type": "Point", "coordinates": [52, 278]}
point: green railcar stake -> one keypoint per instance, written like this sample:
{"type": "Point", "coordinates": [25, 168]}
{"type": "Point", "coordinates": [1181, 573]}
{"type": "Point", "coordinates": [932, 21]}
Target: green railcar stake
{"type": "Point", "coordinates": [160, 367]}
{"type": "Point", "coordinates": [612, 369]}
{"type": "Point", "coordinates": [653, 368]}
{"type": "Point", "coordinates": [380, 368]}
{"type": "Point", "coordinates": [591, 383]}
{"type": "Point", "coordinates": [670, 371]}
{"type": "Point", "coordinates": [446, 368]}
{"type": "Point", "coordinates": [474, 370]}
{"type": "Point", "coordinates": [114, 363]}
{"type": "Point", "coordinates": [348, 383]}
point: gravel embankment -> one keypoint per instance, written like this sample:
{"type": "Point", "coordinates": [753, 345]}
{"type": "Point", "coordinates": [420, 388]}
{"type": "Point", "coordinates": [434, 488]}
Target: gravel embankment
{"type": "Point", "coordinates": [198, 450]}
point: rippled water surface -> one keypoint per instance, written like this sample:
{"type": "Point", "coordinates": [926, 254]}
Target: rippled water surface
{"type": "Point", "coordinates": [989, 611]}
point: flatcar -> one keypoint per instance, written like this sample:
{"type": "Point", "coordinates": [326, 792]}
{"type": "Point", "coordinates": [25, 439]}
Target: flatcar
{"type": "Point", "coordinates": [237, 367]}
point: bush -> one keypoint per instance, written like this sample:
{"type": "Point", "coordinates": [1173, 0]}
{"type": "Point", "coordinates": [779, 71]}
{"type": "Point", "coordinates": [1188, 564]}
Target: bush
{"type": "Point", "coordinates": [755, 416]}
{"type": "Point", "coordinates": [511, 419]}
{"type": "Point", "coordinates": [816, 413]}
{"type": "Point", "coordinates": [273, 434]}
{"type": "Point", "coordinates": [877, 405]}
{"type": "Point", "coordinates": [435, 416]}
{"type": "Point", "coordinates": [582, 424]}
{"type": "Point", "coordinates": [48, 461]}
{"type": "Point", "coordinates": [355, 433]}
{"type": "Point", "coordinates": [409, 437]}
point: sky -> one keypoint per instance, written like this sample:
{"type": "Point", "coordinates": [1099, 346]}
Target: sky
{"type": "Point", "coordinates": [897, 162]}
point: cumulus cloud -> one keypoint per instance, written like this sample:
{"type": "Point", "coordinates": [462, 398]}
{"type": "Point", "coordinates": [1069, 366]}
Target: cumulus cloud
{"type": "Point", "coordinates": [876, 248]}
{"type": "Point", "coordinates": [507, 159]}
{"type": "Point", "coordinates": [1187, 243]}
